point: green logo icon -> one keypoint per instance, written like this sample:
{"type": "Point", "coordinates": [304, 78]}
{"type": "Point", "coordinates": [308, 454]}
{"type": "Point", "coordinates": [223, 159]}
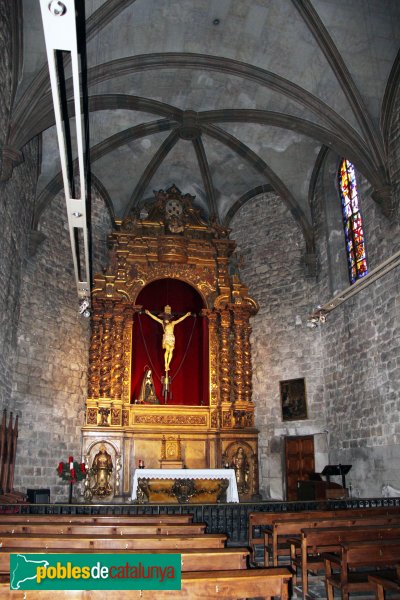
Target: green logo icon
{"type": "Point", "coordinates": [95, 572]}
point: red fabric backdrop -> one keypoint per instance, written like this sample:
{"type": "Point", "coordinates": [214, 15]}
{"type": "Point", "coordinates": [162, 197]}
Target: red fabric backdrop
{"type": "Point", "coordinates": [189, 365]}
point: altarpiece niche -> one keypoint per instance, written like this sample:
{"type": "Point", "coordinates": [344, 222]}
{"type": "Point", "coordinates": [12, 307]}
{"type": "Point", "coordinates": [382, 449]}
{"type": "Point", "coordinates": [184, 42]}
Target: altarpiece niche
{"type": "Point", "coordinates": [170, 346]}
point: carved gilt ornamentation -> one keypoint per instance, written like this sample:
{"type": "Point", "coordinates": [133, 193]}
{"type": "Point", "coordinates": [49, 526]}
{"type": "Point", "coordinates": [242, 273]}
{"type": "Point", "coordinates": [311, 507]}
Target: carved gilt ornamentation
{"type": "Point", "coordinates": [213, 352]}
{"type": "Point", "coordinates": [247, 370]}
{"type": "Point", "coordinates": [125, 418]}
{"type": "Point", "coordinates": [126, 358]}
{"type": "Point", "coordinates": [91, 416]}
{"type": "Point", "coordinates": [201, 278]}
{"type": "Point", "coordinates": [117, 363]}
{"type": "Point", "coordinates": [115, 416]}
{"type": "Point", "coordinates": [170, 240]}
{"type": "Point", "coordinates": [106, 358]}
{"type": "Point", "coordinates": [94, 358]}
{"type": "Point", "coordinates": [104, 414]}
{"type": "Point", "coordinates": [238, 363]}
{"type": "Point", "coordinates": [171, 419]}
{"type": "Point", "coordinates": [224, 353]}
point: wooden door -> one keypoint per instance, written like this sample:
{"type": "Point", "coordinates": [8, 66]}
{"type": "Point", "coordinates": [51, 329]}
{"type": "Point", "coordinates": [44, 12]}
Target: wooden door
{"type": "Point", "coordinates": [300, 462]}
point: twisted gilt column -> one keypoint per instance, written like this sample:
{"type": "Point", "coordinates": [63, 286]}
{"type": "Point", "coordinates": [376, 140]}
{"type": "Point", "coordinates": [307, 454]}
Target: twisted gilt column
{"type": "Point", "coordinates": [106, 356]}
{"type": "Point", "coordinates": [247, 371]}
{"type": "Point", "coordinates": [94, 359]}
{"type": "Point", "coordinates": [117, 367]}
{"type": "Point", "coordinates": [127, 356]}
{"type": "Point", "coordinates": [213, 354]}
{"type": "Point", "coordinates": [238, 359]}
{"type": "Point", "coordinates": [224, 370]}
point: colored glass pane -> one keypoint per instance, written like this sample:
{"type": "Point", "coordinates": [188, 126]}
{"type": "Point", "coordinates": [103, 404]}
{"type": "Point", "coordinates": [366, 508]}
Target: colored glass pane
{"type": "Point", "coordinates": [353, 231]}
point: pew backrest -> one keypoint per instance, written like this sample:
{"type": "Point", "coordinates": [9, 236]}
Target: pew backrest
{"type": "Point", "coordinates": [95, 519]}
{"type": "Point", "coordinates": [260, 520]}
{"type": "Point", "coordinates": [100, 529]}
{"type": "Point", "coordinates": [113, 542]}
{"type": "Point", "coordinates": [293, 527]}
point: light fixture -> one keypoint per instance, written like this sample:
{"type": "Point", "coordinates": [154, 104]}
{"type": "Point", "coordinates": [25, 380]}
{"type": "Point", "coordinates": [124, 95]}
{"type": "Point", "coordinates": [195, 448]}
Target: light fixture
{"type": "Point", "coordinates": [316, 317]}
{"type": "Point", "coordinates": [84, 305]}
{"type": "Point", "coordinates": [62, 48]}
{"type": "Point", "coordinates": [57, 8]}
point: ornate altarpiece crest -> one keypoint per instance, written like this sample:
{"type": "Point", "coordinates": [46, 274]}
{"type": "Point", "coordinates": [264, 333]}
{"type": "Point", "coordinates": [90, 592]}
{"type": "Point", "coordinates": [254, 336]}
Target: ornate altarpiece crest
{"type": "Point", "coordinates": [169, 240]}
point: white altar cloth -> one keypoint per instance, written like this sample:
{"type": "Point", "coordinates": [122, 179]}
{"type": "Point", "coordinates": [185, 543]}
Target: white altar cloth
{"type": "Point", "coordinates": [231, 493]}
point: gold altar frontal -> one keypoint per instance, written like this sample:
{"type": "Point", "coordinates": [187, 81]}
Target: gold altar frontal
{"type": "Point", "coordinates": [182, 491]}
{"type": "Point", "coordinates": [171, 243]}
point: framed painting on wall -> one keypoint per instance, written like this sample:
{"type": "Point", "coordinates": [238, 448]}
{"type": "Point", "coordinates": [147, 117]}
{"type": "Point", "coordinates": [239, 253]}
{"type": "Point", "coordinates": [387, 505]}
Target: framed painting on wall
{"type": "Point", "coordinates": [293, 399]}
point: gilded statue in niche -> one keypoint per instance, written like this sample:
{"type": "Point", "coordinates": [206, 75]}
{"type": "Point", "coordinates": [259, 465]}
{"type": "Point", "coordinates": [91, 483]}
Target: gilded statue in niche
{"type": "Point", "coordinates": [242, 469]}
{"type": "Point", "coordinates": [102, 468]}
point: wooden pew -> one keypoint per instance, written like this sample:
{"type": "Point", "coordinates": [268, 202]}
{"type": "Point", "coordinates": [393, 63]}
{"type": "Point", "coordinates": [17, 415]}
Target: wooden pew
{"type": "Point", "coordinates": [96, 519]}
{"type": "Point", "coordinates": [226, 585]}
{"type": "Point", "coordinates": [111, 542]}
{"type": "Point", "coordinates": [66, 528]}
{"type": "Point", "coordinates": [192, 559]}
{"type": "Point", "coordinates": [328, 539]}
{"type": "Point", "coordinates": [259, 520]}
{"type": "Point", "coordinates": [290, 528]}
{"type": "Point", "coordinates": [355, 556]}
{"type": "Point", "coordinates": [383, 584]}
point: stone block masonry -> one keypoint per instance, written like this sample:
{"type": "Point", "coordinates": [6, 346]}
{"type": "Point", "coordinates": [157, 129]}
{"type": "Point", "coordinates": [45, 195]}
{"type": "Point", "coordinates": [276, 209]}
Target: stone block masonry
{"type": "Point", "coordinates": [272, 248]}
{"type": "Point", "coordinates": [16, 205]}
{"type": "Point", "coordinates": [51, 368]}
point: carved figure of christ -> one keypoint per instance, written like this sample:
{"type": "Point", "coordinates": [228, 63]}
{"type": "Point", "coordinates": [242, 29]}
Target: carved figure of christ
{"type": "Point", "coordinates": [168, 341]}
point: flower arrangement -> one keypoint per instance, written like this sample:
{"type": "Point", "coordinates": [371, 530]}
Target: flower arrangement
{"type": "Point", "coordinates": [71, 471]}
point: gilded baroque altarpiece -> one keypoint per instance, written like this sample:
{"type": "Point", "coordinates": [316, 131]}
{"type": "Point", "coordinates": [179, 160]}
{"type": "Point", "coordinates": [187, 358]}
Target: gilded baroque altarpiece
{"type": "Point", "coordinates": [170, 241]}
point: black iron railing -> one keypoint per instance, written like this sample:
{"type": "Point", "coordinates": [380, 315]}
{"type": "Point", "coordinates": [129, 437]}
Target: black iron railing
{"type": "Point", "coordinates": [220, 518]}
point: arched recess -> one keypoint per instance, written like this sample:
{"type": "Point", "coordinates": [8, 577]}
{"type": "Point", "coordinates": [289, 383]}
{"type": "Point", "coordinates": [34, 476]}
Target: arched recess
{"type": "Point", "coordinates": [328, 224]}
{"type": "Point", "coordinates": [189, 366]}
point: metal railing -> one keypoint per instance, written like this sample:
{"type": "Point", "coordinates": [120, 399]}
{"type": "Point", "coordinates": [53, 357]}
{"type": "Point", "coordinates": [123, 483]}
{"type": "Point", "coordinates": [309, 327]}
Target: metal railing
{"type": "Point", "coordinates": [231, 518]}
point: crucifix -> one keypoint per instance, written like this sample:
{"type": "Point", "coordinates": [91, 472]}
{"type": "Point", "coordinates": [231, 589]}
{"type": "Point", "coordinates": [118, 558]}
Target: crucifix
{"type": "Point", "coordinates": [168, 341]}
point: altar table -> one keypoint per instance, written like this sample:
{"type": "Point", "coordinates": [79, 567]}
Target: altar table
{"type": "Point", "coordinates": [191, 474]}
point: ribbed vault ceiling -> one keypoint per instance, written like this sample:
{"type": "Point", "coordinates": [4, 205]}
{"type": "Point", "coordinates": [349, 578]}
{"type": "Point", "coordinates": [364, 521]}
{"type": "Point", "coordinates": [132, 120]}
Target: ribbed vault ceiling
{"type": "Point", "coordinates": [224, 98]}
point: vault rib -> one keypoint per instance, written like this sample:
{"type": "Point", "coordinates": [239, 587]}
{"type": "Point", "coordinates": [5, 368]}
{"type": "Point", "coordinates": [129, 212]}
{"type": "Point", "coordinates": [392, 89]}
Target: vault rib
{"type": "Point", "coordinates": [151, 168]}
{"type": "Point", "coordinates": [345, 80]}
{"type": "Point", "coordinates": [206, 176]}
{"type": "Point", "coordinates": [261, 166]}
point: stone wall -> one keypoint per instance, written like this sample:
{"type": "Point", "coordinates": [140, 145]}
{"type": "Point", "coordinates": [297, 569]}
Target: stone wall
{"type": "Point", "coordinates": [51, 367]}
{"type": "Point", "coordinates": [16, 205]}
{"type": "Point", "coordinates": [394, 151]}
{"type": "Point", "coordinates": [362, 383]}
{"type": "Point", "coordinates": [283, 347]}
{"type": "Point", "coordinates": [5, 69]}
{"type": "Point", "coordinates": [361, 351]}
{"type": "Point", "coordinates": [17, 197]}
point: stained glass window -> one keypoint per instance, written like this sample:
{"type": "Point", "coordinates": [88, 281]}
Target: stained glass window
{"type": "Point", "coordinates": [353, 230]}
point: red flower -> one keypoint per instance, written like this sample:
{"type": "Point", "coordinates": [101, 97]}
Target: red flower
{"type": "Point", "coordinates": [60, 468]}
{"type": "Point", "coordinates": [70, 460]}
{"type": "Point", "coordinates": [83, 468]}
{"type": "Point", "coordinates": [73, 474]}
